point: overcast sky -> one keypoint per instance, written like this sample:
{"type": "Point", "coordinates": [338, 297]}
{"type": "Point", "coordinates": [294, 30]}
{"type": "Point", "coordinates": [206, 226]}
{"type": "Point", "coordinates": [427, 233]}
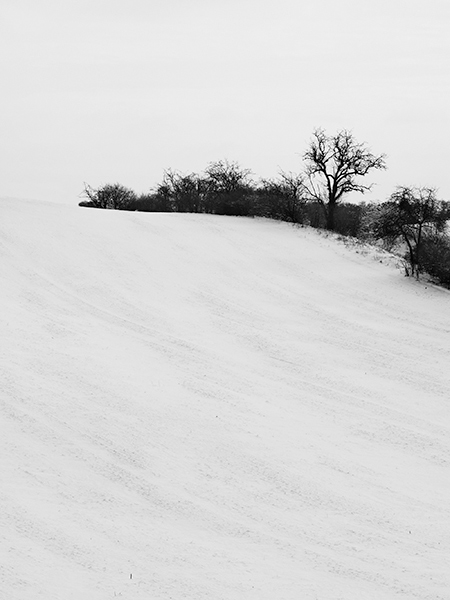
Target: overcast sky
{"type": "Point", "coordinates": [119, 90]}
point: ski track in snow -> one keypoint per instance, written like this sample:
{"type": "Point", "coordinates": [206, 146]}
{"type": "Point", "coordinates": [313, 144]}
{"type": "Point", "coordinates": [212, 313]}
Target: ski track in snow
{"type": "Point", "coordinates": [222, 408]}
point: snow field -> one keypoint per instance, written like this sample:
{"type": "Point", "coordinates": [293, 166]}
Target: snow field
{"type": "Point", "coordinates": [223, 408]}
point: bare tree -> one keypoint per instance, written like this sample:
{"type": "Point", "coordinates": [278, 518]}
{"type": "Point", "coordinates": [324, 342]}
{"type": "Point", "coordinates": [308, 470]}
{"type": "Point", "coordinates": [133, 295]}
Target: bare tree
{"type": "Point", "coordinates": [411, 215]}
{"type": "Point", "coordinates": [282, 198]}
{"type": "Point", "coordinates": [228, 188]}
{"type": "Point", "coordinates": [111, 196]}
{"type": "Point", "coordinates": [185, 191]}
{"type": "Point", "coordinates": [334, 165]}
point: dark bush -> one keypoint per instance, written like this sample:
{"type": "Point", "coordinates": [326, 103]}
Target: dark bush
{"type": "Point", "coordinates": [314, 215]}
{"type": "Point", "coordinates": [112, 196]}
{"type": "Point", "coordinates": [435, 258]}
{"type": "Point", "coordinates": [281, 198]}
{"type": "Point", "coordinates": [227, 189]}
{"type": "Point", "coordinates": [347, 219]}
{"type": "Point", "coordinates": [153, 202]}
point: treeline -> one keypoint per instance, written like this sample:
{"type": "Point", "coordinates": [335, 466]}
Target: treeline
{"type": "Point", "coordinates": [412, 218]}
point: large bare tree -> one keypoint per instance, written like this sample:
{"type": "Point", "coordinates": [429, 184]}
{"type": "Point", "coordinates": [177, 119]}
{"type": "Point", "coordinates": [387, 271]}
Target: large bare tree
{"type": "Point", "coordinates": [334, 165]}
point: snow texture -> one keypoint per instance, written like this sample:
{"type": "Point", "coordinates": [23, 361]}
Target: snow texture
{"type": "Point", "coordinates": [204, 407]}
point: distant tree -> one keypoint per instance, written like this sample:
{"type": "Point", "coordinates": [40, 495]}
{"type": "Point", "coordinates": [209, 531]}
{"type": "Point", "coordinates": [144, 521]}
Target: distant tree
{"type": "Point", "coordinates": [110, 196]}
{"type": "Point", "coordinates": [164, 197]}
{"type": "Point", "coordinates": [228, 188]}
{"type": "Point", "coordinates": [186, 192]}
{"type": "Point", "coordinates": [282, 198]}
{"type": "Point", "coordinates": [411, 215]}
{"type": "Point", "coordinates": [334, 165]}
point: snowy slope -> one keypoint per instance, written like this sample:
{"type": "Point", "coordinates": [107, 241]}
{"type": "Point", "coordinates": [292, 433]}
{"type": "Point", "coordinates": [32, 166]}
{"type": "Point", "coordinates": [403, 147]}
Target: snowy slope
{"type": "Point", "coordinates": [220, 408]}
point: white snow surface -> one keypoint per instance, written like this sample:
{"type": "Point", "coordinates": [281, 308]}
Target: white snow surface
{"type": "Point", "coordinates": [205, 407]}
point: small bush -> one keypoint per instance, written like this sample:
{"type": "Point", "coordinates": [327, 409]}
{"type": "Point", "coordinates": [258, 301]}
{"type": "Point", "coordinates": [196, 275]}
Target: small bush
{"type": "Point", "coordinates": [281, 199]}
{"type": "Point", "coordinates": [112, 196]}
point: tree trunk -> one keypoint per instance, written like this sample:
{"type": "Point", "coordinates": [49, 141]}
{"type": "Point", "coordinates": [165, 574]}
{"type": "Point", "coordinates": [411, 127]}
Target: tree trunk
{"type": "Point", "coordinates": [329, 215]}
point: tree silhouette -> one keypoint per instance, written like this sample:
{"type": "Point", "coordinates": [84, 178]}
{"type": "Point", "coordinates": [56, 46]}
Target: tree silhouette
{"type": "Point", "coordinates": [334, 165]}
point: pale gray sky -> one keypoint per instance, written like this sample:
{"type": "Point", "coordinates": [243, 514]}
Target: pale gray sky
{"type": "Point", "coordinates": [119, 90]}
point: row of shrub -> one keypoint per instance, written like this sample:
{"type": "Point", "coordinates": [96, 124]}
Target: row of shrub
{"type": "Point", "coordinates": [412, 219]}
{"type": "Point", "coordinates": [227, 189]}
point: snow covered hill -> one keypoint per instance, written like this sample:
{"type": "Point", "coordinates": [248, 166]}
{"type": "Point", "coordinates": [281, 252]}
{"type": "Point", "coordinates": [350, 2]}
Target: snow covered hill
{"type": "Point", "coordinates": [203, 407]}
